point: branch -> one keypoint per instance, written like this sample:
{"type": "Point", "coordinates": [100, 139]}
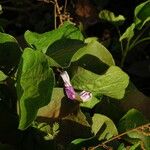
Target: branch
{"type": "Point", "coordinates": [142, 127]}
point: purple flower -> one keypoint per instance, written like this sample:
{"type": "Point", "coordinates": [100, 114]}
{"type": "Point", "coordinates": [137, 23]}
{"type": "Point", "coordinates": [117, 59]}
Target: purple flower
{"type": "Point", "coordinates": [70, 92]}
{"type": "Point", "coordinates": [85, 96]}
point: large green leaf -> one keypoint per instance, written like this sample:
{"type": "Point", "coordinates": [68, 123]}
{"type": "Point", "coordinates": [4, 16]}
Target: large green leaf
{"type": "Point", "coordinates": [128, 34]}
{"type": "Point", "coordinates": [9, 51]}
{"type": "Point", "coordinates": [132, 119]}
{"type": "Point", "coordinates": [61, 51]}
{"type": "Point", "coordinates": [96, 49]}
{"type": "Point", "coordinates": [142, 14]}
{"type": "Point", "coordinates": [44, 40]}
{"type": "Point", "coordinates": [112, 83]}
{"type": "Point", "coordinates": [103, 127]}
{"type": "Point", "coordinates": [34, 85]}
{"type": "Point", "coordinates": [109, 16]}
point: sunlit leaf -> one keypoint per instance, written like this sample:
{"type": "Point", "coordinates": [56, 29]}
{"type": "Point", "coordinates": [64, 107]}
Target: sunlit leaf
{"type": "Point", "coordinates": [142, 14]}
{"type": "Point", "coordinates": [80, 143]}
{"type": "Point", "coordinates": [103, 127]}
{"type": "Point", "coordinates": [44, 40]}
{"type": "Point", "coordinates": [121, 147]}
{"type": "Point", "coordinates": [95, 49]}
{"type": "Point", "coordinates": [132, 119]}
{"type": "Point", "coordinates": [2, 76]}
{"type": "Point", "coordinates": [136, 146]}
{"type": "Point", "coordinates": [112, 83]}
{"type": "Point", "coordinates": [128, 34]}
{"type": "Point", "coordinates": [109, 16]}
{"type": "Point", "coordinates": [34, 85]}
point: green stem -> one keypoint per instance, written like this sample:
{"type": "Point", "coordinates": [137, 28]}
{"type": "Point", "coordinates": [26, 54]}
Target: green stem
{"type": "Point", "coordinates": [137, 38]}
{"type": "Point", "coordinates": [130, 46]}
{"type": "Point", "coordinates": [140, 41]}
{"type": "Point", "coordinates": [125, 54]}
{"type": "Point", "coordinates": [121, 44]}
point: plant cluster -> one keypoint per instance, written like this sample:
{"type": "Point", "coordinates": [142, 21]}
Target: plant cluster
{"type": "Point", "coordinates": [64, 91]}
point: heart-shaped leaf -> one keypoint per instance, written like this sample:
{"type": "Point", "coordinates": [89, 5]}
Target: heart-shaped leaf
{"type": "Point", "coordinates": [112, 83]}
{"type": "Point", "coordinates": [44, 40]}
{"type": "Point", "coordinates": [103, 127]}
{"type": "Point", "coordinates": [61, 51]}
{"type": "Point", "coordinates": [142, 14]}
{"type": "Point", "coordinates": [132, 119]}
{"type": "Point", "coordinates": [96, 49]}
{"type": "Point", "coordinates": [34, 85]}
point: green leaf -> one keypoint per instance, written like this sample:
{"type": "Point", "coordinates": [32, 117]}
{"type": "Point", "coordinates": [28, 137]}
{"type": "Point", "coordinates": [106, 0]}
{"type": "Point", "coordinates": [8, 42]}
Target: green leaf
{"type": "Point", "coordinates": [62, 51]}
{"type": "Point", "coordinates": [128, 34]}
{"type": "Point", "coordinates": [109, 16]}
{"type": "Point", "coordinates": [34, 85]}
{"type": "Point", "coordinates": [2, 76]}
{"type": "Point", "coordinates": [91, 103]}
{"type": "Point", "coordinates": [112, 83]}
{"type": "Point", "coordinates": [96, 49]}
{"type": "Point", "coordinates": [121, 147]}
{"type": "Point", "coordinates": [103, 127]}
{"type": "Point", "coordinates": [52, 110]}
{"type": "Point", "coordinates": [132, 119]}
{"type": "Point", "coordinates": [9, 51]}
{"type": "Point", "coordinates": [80, 143]}
{"type": "Point", "coordinates": [136, 146]}
{"type": "Point", "coordinates": [43, 41]}
{"type": "Point", "coordinates": [142, 14]}
{"type": "Point", "coordinates": [1, 11]}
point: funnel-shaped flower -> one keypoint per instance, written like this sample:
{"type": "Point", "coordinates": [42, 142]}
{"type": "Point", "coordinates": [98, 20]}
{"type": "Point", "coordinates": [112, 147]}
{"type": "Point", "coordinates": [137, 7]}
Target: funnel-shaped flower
{"type": "Point", "coordinates": [70, 92]}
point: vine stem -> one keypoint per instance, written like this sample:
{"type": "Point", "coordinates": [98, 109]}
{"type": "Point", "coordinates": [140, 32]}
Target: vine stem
{"type": "Point", "coordinates": [129, 47]}
{"type": "Point", "coordinates": [125, 54]}
{"type": "Point", "coordinates": [137, 38]}
{"type": "Point", "coordinates": [120, 135]}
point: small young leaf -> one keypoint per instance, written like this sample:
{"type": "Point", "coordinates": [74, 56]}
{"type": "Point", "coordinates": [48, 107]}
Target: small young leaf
{"type": "Point", "coordinates": [80, 143]}
{"type": "Point", "coordinates": [128, 34]}
{"type": "Point", "coordinates": [103, 127]}
{"type": "Point", "coordinates": [112, 83]}
{"type": "Point", "coordinates": [2, 76]}
{"type": "Point", "coordinates": [44, 40]}
{"type": "Point", "coordinates": [142, 14]}
{"type": "Point", "coordinates": [109, 16]}
{"type": "Point", "coordinates": [121, 147]}
{"type": "Point", "coordinates": [34, 85]}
